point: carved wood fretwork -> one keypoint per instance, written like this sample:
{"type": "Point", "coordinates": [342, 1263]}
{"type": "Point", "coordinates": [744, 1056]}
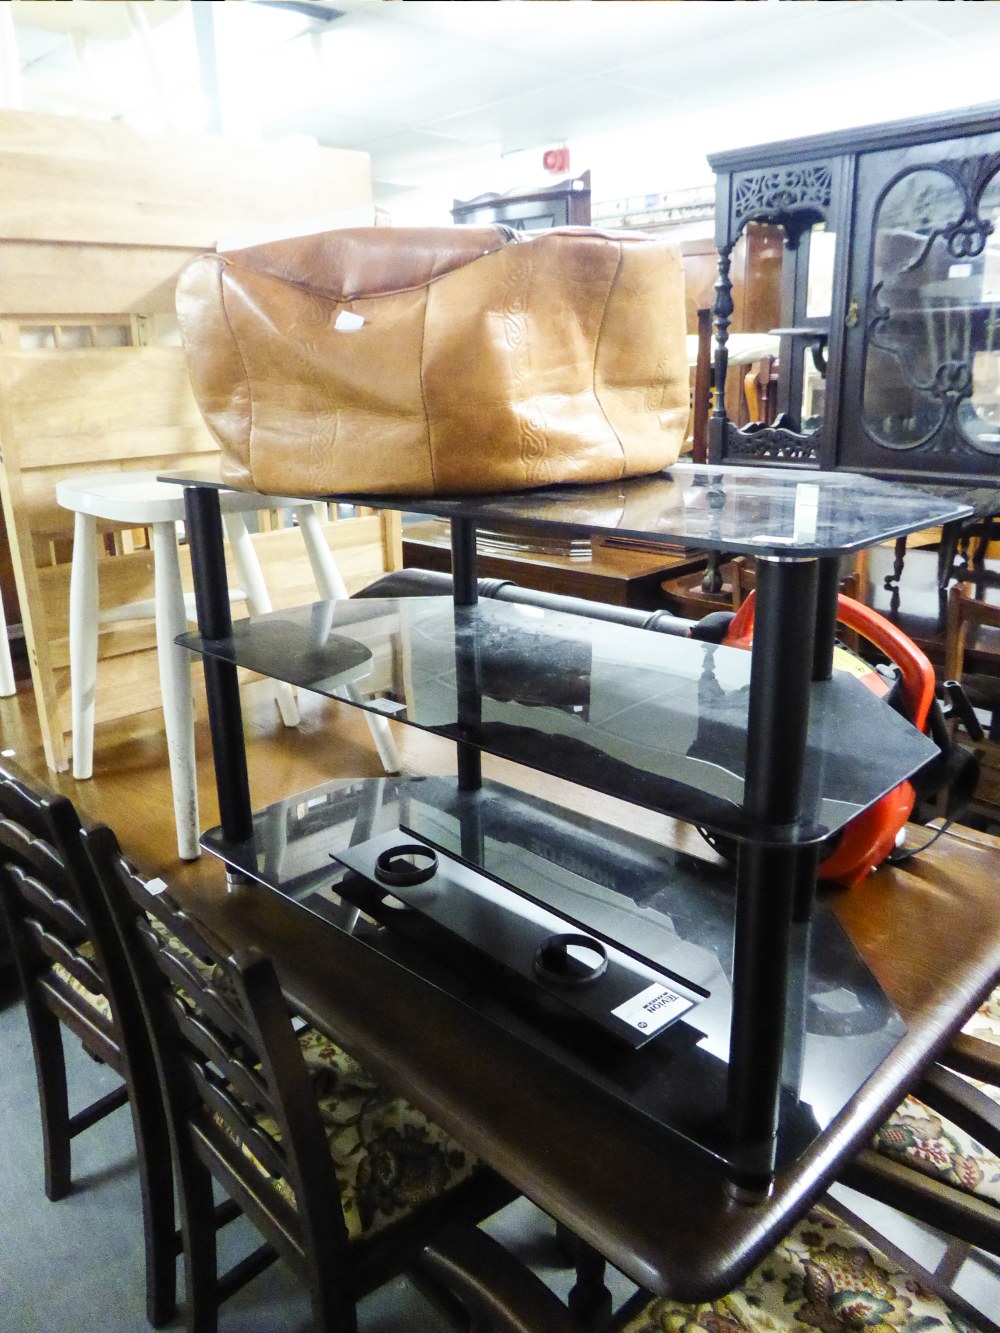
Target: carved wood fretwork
{"type": "Point", "coordinates": [771, 444]}
{"type": "Point", "coordinates": [795, 196]}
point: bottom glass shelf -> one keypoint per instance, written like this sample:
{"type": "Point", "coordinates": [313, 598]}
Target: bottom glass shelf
{"type": "Point", "coordinates": [668, 908]}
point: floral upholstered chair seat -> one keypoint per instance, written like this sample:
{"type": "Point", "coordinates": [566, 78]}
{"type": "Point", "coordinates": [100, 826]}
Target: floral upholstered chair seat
{"type": "Point", "coordinates": [389, 1158]}
{"type": "Point", "coordinates": [985, 1022]}
{"type": "Point", "coordinates": [919, 1137]}
{"type": "Point", "coordinates": [98, 1001]}
{"type": "Point", "coordinates": [822, 1278]}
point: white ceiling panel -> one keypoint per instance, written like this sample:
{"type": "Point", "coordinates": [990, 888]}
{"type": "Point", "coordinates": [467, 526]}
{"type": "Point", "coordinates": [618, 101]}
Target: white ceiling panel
{"type": "Point", "coordinates": [515, 27]}
{"type": "Point", "coordinates": [38, 46]}
{"type": "Point", "coordinates": [966, 24]}
{"type": "Point", "coordinates": [585, 37]}
{"type": "Point", "coordinates": [393, 155]}
{"type": "Point", "coordinates": [330, 130]}
{"type": "Point", "coordinates": [426, 93]}
{"type": "Point", "coordinates": [836, 50]}
{"type": "Point", "coordinates": [359, 51]}
{"type": "Point", "coordinates": [550, 115]}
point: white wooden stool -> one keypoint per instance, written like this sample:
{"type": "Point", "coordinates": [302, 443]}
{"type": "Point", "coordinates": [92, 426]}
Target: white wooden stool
{"type": "Point", "coordinates": [8, 685]}
{"type": "Point", "coordinates": [140, 501]}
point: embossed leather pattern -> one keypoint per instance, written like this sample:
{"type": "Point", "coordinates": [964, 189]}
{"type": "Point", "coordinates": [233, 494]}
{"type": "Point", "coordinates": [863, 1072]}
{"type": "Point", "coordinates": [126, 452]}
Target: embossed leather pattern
{"type": "Point", "coordinates": [439, 360]}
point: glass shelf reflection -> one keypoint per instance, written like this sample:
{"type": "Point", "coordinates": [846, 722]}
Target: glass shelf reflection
{"type": "Point", "coordinates": [669, 907]}
{"type": "Point", "coordinates": [655, 720]}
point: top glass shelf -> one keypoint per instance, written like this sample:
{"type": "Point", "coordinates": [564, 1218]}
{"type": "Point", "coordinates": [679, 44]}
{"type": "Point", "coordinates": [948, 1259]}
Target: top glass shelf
{"type": "Point", "coordinates": [750, 510]}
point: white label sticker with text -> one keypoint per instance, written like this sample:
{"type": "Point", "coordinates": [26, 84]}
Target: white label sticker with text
{"type": "Point", "coordinates": [348, 322]}
{"type": "Point", "coordinates": [653, 1008]}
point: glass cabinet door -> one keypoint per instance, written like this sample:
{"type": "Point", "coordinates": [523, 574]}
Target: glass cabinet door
{"type": "Point", "coordinates": [922, 353]}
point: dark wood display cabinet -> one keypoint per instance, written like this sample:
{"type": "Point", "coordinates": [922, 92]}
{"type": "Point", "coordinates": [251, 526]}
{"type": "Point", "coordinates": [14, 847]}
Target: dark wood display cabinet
{"type": "Point", "coordinates": [563, 204]}
{"type": "Point", "coordinates": [890, 327]}
{"type": "Point", "coordinates": [691, 996]}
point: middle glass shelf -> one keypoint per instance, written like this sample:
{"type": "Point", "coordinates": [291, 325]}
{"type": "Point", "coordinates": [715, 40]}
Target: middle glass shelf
{"type": "Point", "coordinates": [656, 720]}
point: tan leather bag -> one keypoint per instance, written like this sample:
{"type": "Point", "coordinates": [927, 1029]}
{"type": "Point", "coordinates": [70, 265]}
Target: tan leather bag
{"type": "Point", "coordinates": [439, 360]}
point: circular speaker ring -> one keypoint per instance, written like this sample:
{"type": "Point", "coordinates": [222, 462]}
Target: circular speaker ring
{"type": "Point", "coordinates": [405, 864]}
{"type": "Point", "coordinates": [571, 960]}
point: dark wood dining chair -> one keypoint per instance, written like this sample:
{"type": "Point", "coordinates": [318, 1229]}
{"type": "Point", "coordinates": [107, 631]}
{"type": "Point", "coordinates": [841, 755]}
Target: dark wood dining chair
{"type": "Point", "coordinates": [972, 659]}
{"type": "Point", "coordinates": [828, 1273]}
{"type": "Point", "coordinates": [345, 1181]}
{"type": "Point", "coordinates": [48, 896]}
{"type": "Point", "coordinates": [972, 652]}
{"type": "Point", "coordinates": [743, 580]}
{"type": "Point", "coordinates": [760, 391]}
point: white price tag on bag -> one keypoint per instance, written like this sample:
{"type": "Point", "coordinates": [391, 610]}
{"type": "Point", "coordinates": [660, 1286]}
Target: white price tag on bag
{"type": "Point", "coordinates": [348, 322]}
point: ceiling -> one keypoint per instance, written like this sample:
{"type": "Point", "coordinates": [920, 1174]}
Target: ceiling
{"type": "Point", "coordinates": [435, 91]}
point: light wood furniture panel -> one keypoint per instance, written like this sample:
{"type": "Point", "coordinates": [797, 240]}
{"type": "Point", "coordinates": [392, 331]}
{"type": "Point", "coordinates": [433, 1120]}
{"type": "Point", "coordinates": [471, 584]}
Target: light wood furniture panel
{"type": "Point", "coordinates": [96, 222]}
{"type": "Point", "coordinates": [755, 273]}
{"type": "Point", "coordinates": [91, 182]}
{"type": "Point", "coordinates": [619, 575]}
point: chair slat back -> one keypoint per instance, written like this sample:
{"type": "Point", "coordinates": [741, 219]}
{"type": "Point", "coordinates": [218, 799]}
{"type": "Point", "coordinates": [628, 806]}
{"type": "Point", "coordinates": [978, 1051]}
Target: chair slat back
{"type": "Point", "coordinates": [43, 878]}
{"type": "Point", "coordinates": [42, 866]}
{"type": "Point", "coordinates": [232, 1072]}
{"type": "Point", "coordinates": [966, 614]}
{"type": "Point", "coordinates": [53, 949]}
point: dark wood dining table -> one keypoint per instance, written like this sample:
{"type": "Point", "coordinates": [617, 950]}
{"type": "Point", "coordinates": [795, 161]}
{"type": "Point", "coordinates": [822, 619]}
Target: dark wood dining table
{"type": "Point", "coordinates": [928, 929]}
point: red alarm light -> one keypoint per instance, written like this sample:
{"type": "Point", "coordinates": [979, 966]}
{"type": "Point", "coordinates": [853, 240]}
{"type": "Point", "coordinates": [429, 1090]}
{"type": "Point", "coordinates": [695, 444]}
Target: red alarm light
{"type": "Point", "coordinates": [556, 159]}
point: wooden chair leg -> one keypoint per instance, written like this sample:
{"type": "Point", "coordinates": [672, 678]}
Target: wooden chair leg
{"type": "Point", "coordinates": [83, 642]}
{"type": "Point", "coordinates": [8, 685]}
{"type": "Point", "coordinates": [175, 689]}
{"type": "Point", "coordinates": [589, 1299]}
{"type": "Point", "coordinates": [161, 1242]}
{"type": "Point", "coordinates": [53, 1102]}
{"type": "Point", "coordinates": [251, 578]}
{"type": "Point", "coordinates": [333, 1309]}
{"type": "Point", "coordinates": [330, 585]}
{"type": "Point", "coordinates": [198, 1240]}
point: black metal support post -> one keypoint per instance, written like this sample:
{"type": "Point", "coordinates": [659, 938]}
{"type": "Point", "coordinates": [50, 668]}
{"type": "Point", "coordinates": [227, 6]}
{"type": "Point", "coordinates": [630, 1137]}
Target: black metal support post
{"type": "Point", "coordinates": [472, 837]}
{"type": "Point", "coordinates": [466, 593]}
{"type": "Point", "coordinates": [826, 617]}
{"type": "Point", "coordinates": [463, 562]}
{"type": "Point", "coordinates": [824, 642]}
{"type": "Point", "coordinates": [225, 715]}
{"type": "Point", "coordinates": [780, 675]}
{"type": "Point", "coordinates": [768, 878]}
